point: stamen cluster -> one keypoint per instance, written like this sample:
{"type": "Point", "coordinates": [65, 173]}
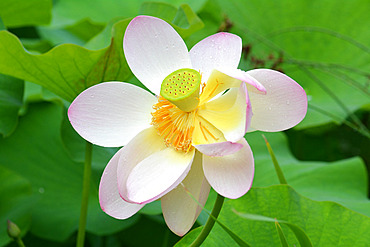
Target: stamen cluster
{"type": "Point", "coordinates": [174, 125]}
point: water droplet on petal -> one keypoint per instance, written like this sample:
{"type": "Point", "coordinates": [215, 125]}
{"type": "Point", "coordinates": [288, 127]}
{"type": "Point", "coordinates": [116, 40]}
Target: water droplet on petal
{"type": "Point", "coordinates": [288, 102]}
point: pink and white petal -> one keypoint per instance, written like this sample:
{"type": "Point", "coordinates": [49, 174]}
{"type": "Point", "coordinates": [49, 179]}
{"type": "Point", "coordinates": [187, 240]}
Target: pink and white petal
{"type": "Point", "coordinates": [241, 75]}
{"type": "Point", "coordinates": [153, 50]}
{"type": "Point", "coordinates": [249, 113]}
{"type": "Point", "coordinates": [158, 174]}
{"type": "Point", "coordinates": [216, 51]}
{"type": "Point", "coordinates": [231, 175]}
{"type": "Point", "coordinates": [282, 107]}
{"type": "Point", "coordinates": [110, 200]}
{"type": "Point", "coordinates": [180, 211]}
{"type": "Point", "coordinates": [232, 121]}
{"type": "Point", "coordinates": [109, 115]}
{"type": "Point", "coordinates": [146, 143]}
{"type": "Point", "coordinates": [219, 149]}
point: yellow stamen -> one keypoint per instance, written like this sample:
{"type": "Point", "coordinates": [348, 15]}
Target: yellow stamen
{"type": "Point", "coordinates": [201, 129]}
{"type": "Point", "coordinates": [175, 126]}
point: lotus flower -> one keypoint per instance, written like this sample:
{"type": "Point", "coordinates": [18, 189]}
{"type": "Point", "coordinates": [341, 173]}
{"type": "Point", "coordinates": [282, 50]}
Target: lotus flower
{"type": "Point", "coordinates": [189, 132]}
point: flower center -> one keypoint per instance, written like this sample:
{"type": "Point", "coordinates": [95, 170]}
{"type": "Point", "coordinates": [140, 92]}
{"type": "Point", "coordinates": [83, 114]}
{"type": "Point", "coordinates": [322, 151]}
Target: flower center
{"type": "Point", "coordinates": [176, 110]}
{"type": "Point", "coordinates": [177, 116]}
{"type": "Point", "coordinates": [174, 125]}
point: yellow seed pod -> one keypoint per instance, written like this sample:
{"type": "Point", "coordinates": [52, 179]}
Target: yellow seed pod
{"type": "Point", "coordinates": [181, 88]}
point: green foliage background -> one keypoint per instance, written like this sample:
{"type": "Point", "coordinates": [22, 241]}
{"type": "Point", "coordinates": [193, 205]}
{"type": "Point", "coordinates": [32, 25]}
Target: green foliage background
{"type": "Point", "coordinates": [50, 51]}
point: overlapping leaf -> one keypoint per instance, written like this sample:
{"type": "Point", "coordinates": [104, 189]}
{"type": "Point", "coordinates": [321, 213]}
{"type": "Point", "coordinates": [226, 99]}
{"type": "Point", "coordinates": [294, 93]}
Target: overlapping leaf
{"type": "Point", "coordinates": [325, 223]}
{"type": "Point", "coordinates": [67, 69]}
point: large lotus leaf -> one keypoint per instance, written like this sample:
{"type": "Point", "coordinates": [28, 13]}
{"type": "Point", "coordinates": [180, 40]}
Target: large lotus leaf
{"type": "Point", "coordinates": [16, 13]}
{"type": "Point", "coordinates": [11, 95]}
{"type": "Point", "coordinates": [78, 33]}
{"type": "Point", "coordinates": [324, 46]}
{"type": "Point", "coordinates": [67, 69]}
{"type": "Point", "coordinates": [16, 200]}
{"type": "Point", "coordinates": [343, 181]}
{"type": "Point", "coordinates": [184, 20]}
{"type": "Point", "coordinates": [325, 223]}
{"type": "Point", "coordinates": [67, 12]}
{"type": "Point", "coordinates": [35, 151]}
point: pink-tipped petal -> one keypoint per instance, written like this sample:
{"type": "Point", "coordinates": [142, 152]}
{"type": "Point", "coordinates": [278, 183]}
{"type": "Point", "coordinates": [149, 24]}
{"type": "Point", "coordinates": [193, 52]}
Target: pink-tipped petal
{"type": "Point", "coordinates": [282, 107]}
{"type": "Point", "coordinates": [146, 143]}
{"type": "Point", "coordinates": [109, 114]}
{"type": "Point", "coordinates": [109, 198]}
{"type": "Point", "coordinates": [219, 149]}
{"type": "Point", "coordinates": [179, 209]}
{"type": "Point", "coordinates": [158, 174]}
{"type": "Point", "coordinates": [231, 175]}
{"type": "Point", "coordinates": [249, 113]}
{"type": "Point", "coordinates": [241, 75]}
{"type": "Point", "coordinates": [216, 51]}
{"type": "Point", "coordinates": [153, 50]}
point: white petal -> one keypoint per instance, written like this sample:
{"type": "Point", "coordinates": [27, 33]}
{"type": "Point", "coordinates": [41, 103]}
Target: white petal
{"type": "Point", "coordinates": [158, 174]}
{"type": "Point", "coordinates": [180, 210]}
{"type": "Point", "coordinates": [110, 114]}
{"type": "Point", "coordinates": [109, 198]}
{"type": "Point", "coordinates": [282, 107]}
{"type": "Point", "coordinates": [219, 148]}
{"type": "Point", "coordinates": [153, 50]}
{"type": "Point", "coordinates": [232, 120]}
{"type": "Point", "coordinates": [146, 143]}
{"type": "Point", "coordinates": [217, 51]}
{"type": "Point", "coordinates": [231, 175]}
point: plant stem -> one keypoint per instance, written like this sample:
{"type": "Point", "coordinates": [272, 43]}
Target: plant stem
{"type": "Point", "coordinates": [278, 170]}
{"type": "Point", "coordinates": [20, 242]}
{"type": "Point", "coordinates": [85, 196]}
{"type": "Point", "coordinates": [210, 222]}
